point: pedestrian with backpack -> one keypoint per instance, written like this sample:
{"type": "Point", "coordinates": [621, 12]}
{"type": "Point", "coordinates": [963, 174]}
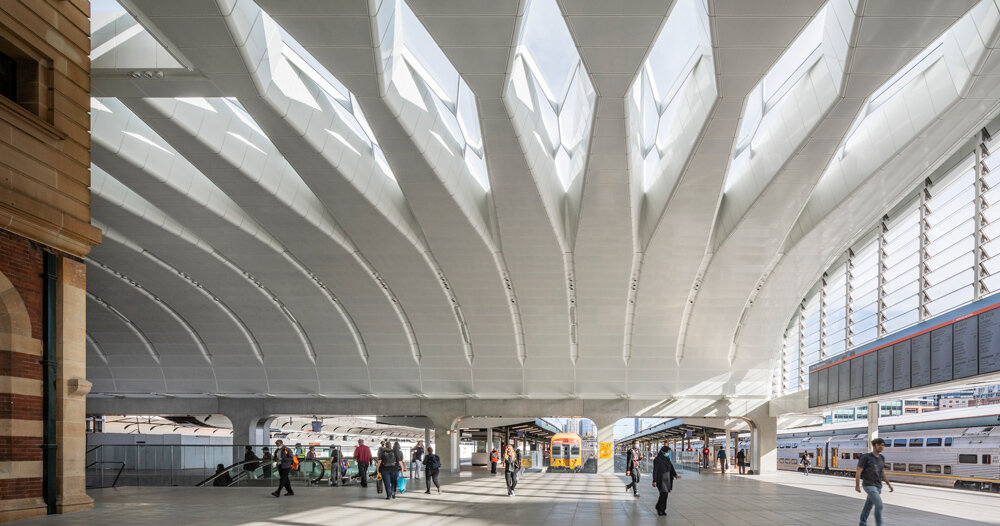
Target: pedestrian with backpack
{"type": "Point", "coordinates": [389, 467]}
{"type": "Point", "coordinates": [287, 461]}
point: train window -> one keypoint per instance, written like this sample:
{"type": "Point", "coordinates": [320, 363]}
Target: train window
{"type": "Point", "coordinates": [933, 442]}
{"type": "Point", "coordinates": [845, 456]}
{"type": "Point", "coordinates": [857, 456]}
{"type": "Point", "coordinates": [575, 451]}
{"type": "Point", "coordinates": [899, 467]}
{"type": "Point", "coordinates": [967, 459]}
{"type": "Point", "coordinates": [916, 442]}
{"type": "Point", "coordinates": [899, 442]}
{"type": "Point", "coordinates": [986, 459]}
{"type": "Point", "coordinates": [916, 468]}
{"type": "Point", "coordinates": [947, 470]}
{"type": "Point", "coordinates": [931, 468]}
{"type": "Point", "coordinates": [947, 442]}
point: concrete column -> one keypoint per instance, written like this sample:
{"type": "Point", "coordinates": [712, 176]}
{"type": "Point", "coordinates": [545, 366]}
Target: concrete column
{"type": "Point", "coordinates": [489, 440]}
{"type": "Point", "coordinates": [456, 457]}
{"type": "Point", "coordinates": [764, 441]}
{"type": "Point", "coordinates": [605, 433]}
{"type": "Point", "coordinates": [726, 444]}
{"type": "Point", "coordinates": [442, 446]}
{"type": "Point", "coordinates": [873, 416]}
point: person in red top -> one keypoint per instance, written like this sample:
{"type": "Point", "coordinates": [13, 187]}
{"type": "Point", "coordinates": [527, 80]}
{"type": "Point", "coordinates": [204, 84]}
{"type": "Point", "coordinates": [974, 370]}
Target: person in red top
{"type": "Point", "coordinates": [363, 456]}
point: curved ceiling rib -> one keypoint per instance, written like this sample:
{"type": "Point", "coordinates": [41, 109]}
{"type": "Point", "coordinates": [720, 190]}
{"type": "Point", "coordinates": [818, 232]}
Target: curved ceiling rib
{"type": "Point", "coordinates": [552, 102]}
{"type": "Point", "coordinates": [199, 342]}
{"type": "Point", "coordinates": [107, 190]}
{"type": "Point", "coordinates": [124, 143]}
{"type": "Point", "coordinates": [668, 105]}
{"type": "Point", "coordinates": [94, 371]}
{"type": "Point", "coordinates": [128, 323]}
{"type": "Point", "coordinates": [111, 235]}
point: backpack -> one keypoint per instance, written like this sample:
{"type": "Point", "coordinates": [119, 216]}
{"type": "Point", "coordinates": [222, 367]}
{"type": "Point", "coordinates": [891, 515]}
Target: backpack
{"type": "Point", "coordinates": [388, 458]}
{"type": "Point", "coordinates": [295, 462]}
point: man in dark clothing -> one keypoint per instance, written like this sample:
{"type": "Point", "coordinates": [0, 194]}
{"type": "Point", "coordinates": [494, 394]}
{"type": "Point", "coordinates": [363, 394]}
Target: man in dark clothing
{"type": "Point", "coordinates": [741, 461]}
{"type": "Point", "coordinates": [363, 456]}
{"type": "Point", "coordinates": [249, 455]}
{"type": "Point", "coordinates": [283, 456]}
{"type": "Point", "coordinates": [663, 478]}
{"type": "Point", "coordinates": [721, 457]}
{"type": "Point", "coordinates": [632, 459]}
{"type": "Point", "coordinates": [266, 461]}
{"type": "Point", "coordinates": [870, 474]}
{"type": "Point", "coordinates": [388, 466]}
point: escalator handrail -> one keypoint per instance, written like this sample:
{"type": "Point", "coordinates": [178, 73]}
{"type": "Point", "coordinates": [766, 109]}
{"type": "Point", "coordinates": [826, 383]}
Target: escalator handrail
{"type": "Point", "coordinates": [322, 470]}
{"type": "Point", "coordinates": [227, 470]}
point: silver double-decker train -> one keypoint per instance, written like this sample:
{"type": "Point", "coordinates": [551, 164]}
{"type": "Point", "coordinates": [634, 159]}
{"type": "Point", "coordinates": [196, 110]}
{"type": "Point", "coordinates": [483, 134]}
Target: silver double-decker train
{"type": "Point", "coordinates": [954, 448]}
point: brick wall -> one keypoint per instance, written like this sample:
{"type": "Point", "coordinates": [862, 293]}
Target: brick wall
{"type": "Point", "coordinates": [21, 260]}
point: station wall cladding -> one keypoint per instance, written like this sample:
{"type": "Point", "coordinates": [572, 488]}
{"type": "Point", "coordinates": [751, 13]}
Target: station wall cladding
{"type": "Point", "coordinates": [960, 344]}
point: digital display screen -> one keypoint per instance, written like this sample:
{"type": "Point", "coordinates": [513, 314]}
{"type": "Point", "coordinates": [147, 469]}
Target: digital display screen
{"type": "Point", "coordinates": [920, 360]}
{"type": "Point", "coordinates": [885, 370]}
{"type": "Point", "coordinates": [857, 378]}
{"type": "Point", "coordinates": [989, 341]}
{"type": "Point", "coordinates": [845, 381]}
{"type": "Point", "coordinates": [941, 355]}
{"type": "Point", "coordinates": [871, 374]}
{"type": "Point", "coordinates": [901, 365]}
{"type": "Point", "coordinates": [965, 346]}
{"type": "Point", "coordinates": [822, 393]}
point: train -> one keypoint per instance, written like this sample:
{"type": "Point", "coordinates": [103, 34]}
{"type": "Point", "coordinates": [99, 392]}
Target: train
{"type": "Point", "coordinates": [955, 448]}
{"type": "Point", "coordinates": [566, 453]}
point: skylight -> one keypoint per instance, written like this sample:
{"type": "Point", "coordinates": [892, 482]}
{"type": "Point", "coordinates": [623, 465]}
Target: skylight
{"type": "Point", "coordinates": [332, 95]}
{"type": "Point", "coordinates": [423, 76]}
{"type": "Point", "coordinates": [655, 108]}
{"type": "Point", "coordinates": [551, 83]}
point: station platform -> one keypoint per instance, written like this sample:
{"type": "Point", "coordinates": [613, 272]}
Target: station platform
{"type": "Point", "coordinates": [476, 498]}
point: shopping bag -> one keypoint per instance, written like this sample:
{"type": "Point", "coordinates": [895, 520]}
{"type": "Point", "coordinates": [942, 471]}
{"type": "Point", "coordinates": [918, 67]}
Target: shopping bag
{"type": "Point", "coordinates": [378, 483]}
{"type": "Point", "coordinates": [401, 484]}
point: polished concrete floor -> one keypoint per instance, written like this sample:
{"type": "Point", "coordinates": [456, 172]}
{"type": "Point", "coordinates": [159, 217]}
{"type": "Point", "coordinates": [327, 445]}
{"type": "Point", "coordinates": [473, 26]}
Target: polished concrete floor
{"type": "Point", "coordinates": [551, 499]}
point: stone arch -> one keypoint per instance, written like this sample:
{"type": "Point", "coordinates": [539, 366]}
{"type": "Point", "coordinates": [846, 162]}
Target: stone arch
{"type": "Point", "coordinates": [15, 325]}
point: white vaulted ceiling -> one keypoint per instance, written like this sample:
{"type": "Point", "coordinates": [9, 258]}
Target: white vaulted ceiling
{"type": "Point", "coordinates": [496, 199]}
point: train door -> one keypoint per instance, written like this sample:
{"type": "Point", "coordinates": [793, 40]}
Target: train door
{"type": "Point", "coordinates": [819, 459]}
{"type": "Point", "coordinates": [834, 455]}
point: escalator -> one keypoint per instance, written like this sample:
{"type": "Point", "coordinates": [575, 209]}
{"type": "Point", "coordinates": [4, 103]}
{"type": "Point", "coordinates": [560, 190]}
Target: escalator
{"type": "Point", "coordinates": [258, 473]}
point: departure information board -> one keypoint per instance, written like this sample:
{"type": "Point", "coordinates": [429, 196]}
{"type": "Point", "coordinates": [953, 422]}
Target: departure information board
{"type": "Point", "coordinates": [989, 342]}
{"type": "Point", "coordinates": [965, 346]}
{"type": "Point", "coordinates": [959, 344]}
{"type": "Point", "coordinates": [920, 360]}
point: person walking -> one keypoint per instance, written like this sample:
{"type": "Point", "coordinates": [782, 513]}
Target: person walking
{"type": "Point", "coordinates": [401, 472]}
{"type": "Point", "coordinates": [741, 461]}
{"type": "Point", "coordinates": [663, 478]}
{"type": "Point", "coordinates": [432, 465]}
{"type": "Point", "coordinates": [388, 466]}
{"type": "Point", "coordinates": [494, 458]}
{"type": "Point", "coordinates": [266, 459]}
{"type": "Point", "coordinates": [804, 460]}
{"type": "Point", "coordinates": [417, 460]}
{"type": "Point", "coordinates": [869, 475]}
{"type": "Point", "coordinates": [511, 465]}
{"type": "Point", "coordinates": [363, 456]}
{"type": "Point", "coordinates": [632, 458]}
{"type": "Point", "coordinates": [311, 454]}
{"type": "Point", "coordinates": [250, 456]}
{"type": "Point", "coordinates": [721, 457]}
{"type": "Point", "coordinates": [286, 461]}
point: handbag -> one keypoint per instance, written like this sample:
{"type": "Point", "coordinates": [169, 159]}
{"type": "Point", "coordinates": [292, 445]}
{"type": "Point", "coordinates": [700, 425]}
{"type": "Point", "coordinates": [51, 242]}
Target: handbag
{"type": "Point", "coordinates": [401, 484]}
{"type": "Point", "coordinates": [378, 483]}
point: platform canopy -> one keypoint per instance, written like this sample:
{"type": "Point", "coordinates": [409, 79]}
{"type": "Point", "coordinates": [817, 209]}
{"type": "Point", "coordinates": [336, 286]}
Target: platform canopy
{"type": "Point", "coordinates": [551, 199]}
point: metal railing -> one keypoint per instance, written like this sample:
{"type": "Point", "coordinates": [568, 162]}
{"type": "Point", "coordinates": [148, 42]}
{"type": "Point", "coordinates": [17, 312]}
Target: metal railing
{"type": "Point", "coordinates": [188, 465]}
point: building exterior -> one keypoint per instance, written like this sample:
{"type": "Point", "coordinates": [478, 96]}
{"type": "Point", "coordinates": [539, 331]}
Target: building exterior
{"type": "Point", "coordinates": [45, 230]}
